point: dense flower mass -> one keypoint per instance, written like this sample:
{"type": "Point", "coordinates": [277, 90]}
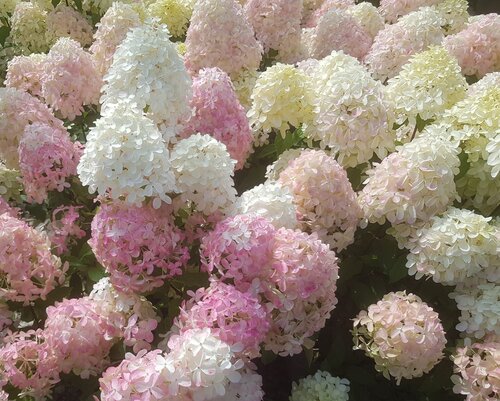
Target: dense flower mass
{"type": "Point", "coordinates": [28, 26]}
{"type": "Point", "coordinates": [28, 270]}
{"type": "Point", "coordinates": [218, 112]}
{"type": "Point", "coordinates": [25, 73]}
{"type": "Point", "coordinates": [323, 7]}
{"type": "Point", "coordinates": [402, 334]}
{"type": "Point", "coordinates": [175, 14]}
{"type": "Point", "coordinates": [138, 246]}
{"type": "Point", "coordinates": [220, 36]}
{"type": "Point", "coordinates": [320, 386]}
{"type": "Point", "coordinates": [148, 73]}
{"type": "Point", "coordinates": [368, 17]}
{"type": "Point", "coordinates": [392, 10]}
{"type": "Point", "coordinates": [325, 201]}
{"type": "Point", "coordinates": [64, 21]}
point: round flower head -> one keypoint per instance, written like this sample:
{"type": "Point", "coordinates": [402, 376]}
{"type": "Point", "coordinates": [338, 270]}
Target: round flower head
{"type": "Point", "coordinates": [80, 337]}
{"type": "Point", "coordinates": [402, 334]}
{"type": "Point", "coordinates": [455, 247]}
{"type": "Point", "coordinates": [111, 30]}
{"type": "Point", "coordinates": [395, 44]}
{"type": "Point", "coordinates": [299, 291]}
{"type": "Point", "coordinates": [138, 246]}
{"type": "Point", "coordinates": [70, 79]}
{"type": "Point", "coordinates": [203, 171]}
{"type": "Point", "coordinates": [368, 17]}
{"type": "Point", "coordinates": [201, 365]}
{"type": "Point", "coordinates": [236, 317]}
{"type": "Point", "coordinates": [220, 36]}
{"type": "Point", "coordinates": [148, 72]}
{"type": "Point", "coordinates": [17, 110]}
{"type": "Point", "coordinates": [274, 170]}
{"type": "Point", "coordinates": [321, 386]}
{"type": "Point", "coordinates": [175, 14]}
{"type": "Point", "coordinates": [350, 115]}
{"type": "Point", "coordinates": [393, 9]}
{"type": "Point", "coordinates": [282, 98]}
{"type": "Point", "coordinates": [239, 249]}
{"type": "Point", "coordinates": [10, 183]}
{"type": "Point", "coordinates": [28, 270]}
{"type": "Point", "coordinates": [324, 7]}
{"type": "Point", "coordinates": [249, 388]}
{"type": "Point", "coordinates": [63, 229]}
{"type": "Point", "coordinates": [454, 14]}
{"type": "Point", "coordinates": [412, 184]}
{"type": "Point", "coordinates": [137, 378]}
{"type": "Point", "coordinates": [218, 112]}
{"type": "Point", "coordinates": [25, 73]}
{"type": "Point", "coordinates": [477, 47]}
{"type": "Point", "coordinates": [325, 201]}
{"type": "Point", "coordinates": [427, 85]}
{"type": "Point", "coordinates": [270, 200]}
{"type": "Point", "coordinates": [476, 371]}
{"type": "Point", "coordinates": [29, 364]}
{"type": "Point", "coordinates": [276, 23]}
{"type": "Point", "coordinates": [47, 159]}
{"type": "Point", "coordinates": [28, 26]}
{"type": "Point", "coordinates": [126, 157]}
{"type": "Point", "coordinates": [480, 309]}
{"type": "Point", "coordinates": [65, 21]}
{"type": "Point", "coordinates": [133, 315]}
{"type": "Point", "coordinates": [338, 30]}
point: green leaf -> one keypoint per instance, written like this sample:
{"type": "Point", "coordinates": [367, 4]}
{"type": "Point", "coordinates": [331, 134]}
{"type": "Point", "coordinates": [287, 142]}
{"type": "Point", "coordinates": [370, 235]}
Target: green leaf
{"type": "Point", "coordinates": [95, 273]}
{"type": "Point", "coordinates": [4, 34]}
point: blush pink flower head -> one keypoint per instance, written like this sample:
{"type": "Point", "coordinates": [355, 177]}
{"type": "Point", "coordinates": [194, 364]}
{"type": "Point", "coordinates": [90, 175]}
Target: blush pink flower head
{"type": "Point", "coordinates": [218, 112]}
{"type": "Point", "coordinates": [392, 10]}
{"type": "Point", "coordinates": [138, 246]}
{"type": "Point", "coordinates": [325, 7]}
{"type": "Point", "coordinates": [25, 73]}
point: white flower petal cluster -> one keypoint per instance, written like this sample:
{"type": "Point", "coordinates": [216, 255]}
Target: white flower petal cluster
{"type": "Point", "coordinates": [274, 170]}
{"type": "Point", "coordinates": [489, 81]}
{"type": "Point", "coordinates": [100, 7]}
{"type": "Point", "coordinates": [111, 30]}
{"type": "Point", "coordinates": [204, 170]}
{"type": "Point", "coordinates": [202, 363]}
{"type": "Point", "coordinates": [480, 309]}
{"type": "Point", "coordinates": [28, 26]}
{"type": "Point", "coordinates": [270, 200]}
{"type": "Point", "coordinates": [322, 386]}
{"type": "Point", "coordinates": [455, 247]}
{"type": "Point", "coordinates": [249, 388]}
{"type": "Point", "coordinates": [368, 17]}
{"type": "Point", "coordinates": [282, 98]}
{"type": "Point", "coordinates": [454, 14]}
{"type": "Point", "coordinates": [350, 115]}
{"type": "Point", "coordinates": [148, 72]}
{"type": "Point", "coordinates": [392, 10]}
{"type": "Point", "coordinates": [430, 83]}
{"type": "Point", "coordinates": [175, 14]}
{"type": "Point", "coordinates": [243, 84]}
{"type": "Point", "coordinates": [493, 150]}
{"type": "Point", "coordinates": [126, 157]}
{"type": "Point", "coordinates": [412, 184]}
{"type": "Point", "coordinates": [10, 183]}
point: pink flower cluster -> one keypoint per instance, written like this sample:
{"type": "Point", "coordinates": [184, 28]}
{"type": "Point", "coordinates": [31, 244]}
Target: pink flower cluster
{"type": "Point", "coordinates": [47, 159]}
{"type": "Point", "coordinates": [218, 112]}
{"type": "Point", "coordinates": [139, 246]}
{"type": "Point", "coordinates": [293, 273]}
{"type": "Point", "coordinates": [327, 6]}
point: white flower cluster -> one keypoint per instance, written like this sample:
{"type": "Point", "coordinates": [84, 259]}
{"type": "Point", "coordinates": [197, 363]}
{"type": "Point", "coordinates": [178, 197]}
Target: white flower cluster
{"type": "Point", "coordinates": [414, 183]}
{"type": "Point", "coordinates": [480, 309]}
{"type": "Point", "coordinates": [10, 185]}
{"type": "Point", "coordinates": [368, 17]}
{"type": "Point", "coordinates": [126, 156]}
{"type": "Point", "coordinates": [282, 97]}
{"type": "Point", "coordinates": [274, 170]}
{"type": "Point", "coordinates": [202, 166]}
{"type": "Point", "coordinates": [454, 14]}
{"type": "Point", "coordinates": [148, 73]}
{"type": "Point", "coordinates": [429, 84]}
{"type": "Point", "coordinates": [28, 26]}
{"type": "Point", "coordinates": [270, 200]}
{"type": "Point", "coordinates": [249, 388]}
{"type": "Point", "coordinates": [489, 81]}
{"type": "Point", "coordinates": [350, 116]}
{"type": "Point", "coordinates": [322, 386]}
{"type": "Point", "coordinates": [456, 247]}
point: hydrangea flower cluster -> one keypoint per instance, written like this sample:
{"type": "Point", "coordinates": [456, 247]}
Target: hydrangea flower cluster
{"type": "Point", "coordinates": [455, 247]}
{"type": "Point", "coordinates": [148, 74]}
{"type": "Point", "coordinates": [220, 36]}
{"type": "Point", "coordinates": [476, 368]}
{"type": "Point", "coordinates": [63, 229]}
{"type": "Point", "coordinates": [218, 112]}
{"type": "Point", "coordinates": [324, 7]}
{"type": "Point", "coordinates": [368, 17]}
{"type": "Point", "coordinates": [282, 98]}
{"type": "Point", "coordinates": [202, 165]}
{"type": "Point", "coordinates": [392, 10]}
{"type": "Point", "coordinates": [144, 169]}
{"type": "Point", "coordinates": [395, 44]}
{"type": "Point", "coordinates": [10, 185]}
{"type": "Point", "coordinates": [175, 14]}
{"type": "Point", "coordinates": [28, 27]}
{"type": "Point", "coordinates": [454, 14]}
{"type": "Point", "coordinates": [325, 201]}
{"type": "Point", "coordinates": [480, 309]}
{"type": "Point", "coordinates": [64, 21]}
{"type": "Point", "coordinates": [138, 246]}
{"type": "Point", "coordinates": [25, 73]}
{"type": "Point", "coordinates": [28, 270]}
{"type": "Point", "coordinates": [47, 159]}
{"type": "Point", "coordinates": [270, 200]}
{"type": "Point", "coordinates": [402, 334]}
{"type": "Point", "coordinates": [320, 386]}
